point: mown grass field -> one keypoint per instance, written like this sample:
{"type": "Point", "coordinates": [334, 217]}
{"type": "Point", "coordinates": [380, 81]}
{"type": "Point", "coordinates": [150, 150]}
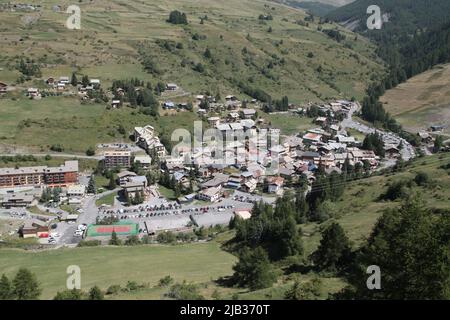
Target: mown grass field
{"type": "Point", "coordinates": [116, 265]}
{"type": "Point", "coordinates": [422, 101]}
{"type": "Point", "coordinates": [106, 200]}
{"type": "Point", "coordinates": [83, 164]}
{"type": "Point", "coordinates": [288, 123]}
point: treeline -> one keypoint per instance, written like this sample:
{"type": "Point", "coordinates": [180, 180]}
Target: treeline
{"type": "Point", "coordinates": [334, 34]}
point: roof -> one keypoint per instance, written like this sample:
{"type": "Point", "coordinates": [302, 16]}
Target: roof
{"type": "Point", "coordinates": [243, 214]}
{"type": "Point", "coordinates": [345, 139]}
{"type": "Point", "coordinates": [69, 166]}
{"type": "Point", "coordinates": [76, 189]}
{"type": "Point", "coordinates": [309, 154]}
{"type": "Point", "coordinates": [143, 159]}
{"type": "Point", "coordinates": [210, 192]}
{"type": "Point", "coordinates": [18, 197]}
{"type": "Point", "coordinates": [275, 180]}
{"type": "Point", "coordinates": [312, 136]}
{"type": "Point", "coordinates": [218, 179]}
{"type": "Point", "coordinates": [248, 111]}
{"type": "Point", "coordinates": [124, 174]}
{"type": "Point", "coordinates": [236, 126]}
{"type": "Point", "coordinates": [224, 127]}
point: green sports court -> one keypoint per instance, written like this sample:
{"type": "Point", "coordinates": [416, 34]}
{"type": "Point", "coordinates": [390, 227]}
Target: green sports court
{"type": "Point", "coordinates": [120, 228]}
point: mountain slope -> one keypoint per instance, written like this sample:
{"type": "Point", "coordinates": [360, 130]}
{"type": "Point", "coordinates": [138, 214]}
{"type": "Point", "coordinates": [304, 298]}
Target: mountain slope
{"type": "Point", "coordinates": [404, 16]}
{"type": "Point", "coordinates": [117, 35]}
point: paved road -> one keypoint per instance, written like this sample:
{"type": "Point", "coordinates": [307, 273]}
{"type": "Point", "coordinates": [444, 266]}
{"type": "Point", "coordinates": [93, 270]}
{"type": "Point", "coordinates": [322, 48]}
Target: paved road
{"type": "Point", "coordinates": [55, 155]}
{"type": "Point", "coordinates": [407, 152]}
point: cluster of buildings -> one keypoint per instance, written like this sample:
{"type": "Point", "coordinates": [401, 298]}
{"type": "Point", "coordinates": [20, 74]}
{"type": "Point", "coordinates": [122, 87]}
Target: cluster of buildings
{"type": "Point", "coordinates": [250, 156]}
{"type": "Point", "coordinates": [12, 179]}
{"type": "Point", "coordinates": [62, 176]}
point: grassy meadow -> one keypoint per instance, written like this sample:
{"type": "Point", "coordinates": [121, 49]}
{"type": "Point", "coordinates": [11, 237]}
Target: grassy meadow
{"type": "Point", "coordinates": [422, 101]}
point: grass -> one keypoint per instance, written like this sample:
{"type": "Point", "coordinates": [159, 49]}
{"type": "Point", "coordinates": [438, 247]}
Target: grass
{"type": "Point", "coordinates": [84, 164]}
{"type": "Point", "coordinates": [358, 135]}
{"type": "Point", "coordinates": [116, 265]}
{"type": "Point", "coordinates": [101, 182]}
{"type": "Point", "coordinates": [107, 200]}
{"type": "Point", "coordinates": [422, 101]}
{"type": "Point", "coordinates": [107, 48]}
{"type": "Point", "coordinates": [289, 124]}
{"type": "Point", "coordinates": [166, 192]}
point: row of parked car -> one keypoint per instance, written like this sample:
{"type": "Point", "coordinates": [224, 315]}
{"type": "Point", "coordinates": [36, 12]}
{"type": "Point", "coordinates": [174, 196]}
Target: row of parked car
{"type": "Point", "coordinates": [244, 199]}
{"type": "Point", "coordinates": [147, 208]}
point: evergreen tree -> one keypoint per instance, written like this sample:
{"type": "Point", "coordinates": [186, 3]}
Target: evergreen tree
{"type": "Point", "coordinates": [112, 183]}
{"type": "Point", "coordinates": [92, 189]}
{"type": "Point", "coordinates": [115, 241]}
{"type": "Point", "coordinates": [85, 81]}
{"type": "Point", "coordinates": [6, 290]}
{"type": "Point", "coordinates": [334, 252]}
{"type": "Point", "coordinates": [254, 269]}
{"type": "Point", "coordinates": [25, 285]}
{"type": "Point", "coordinates": [74, 80]}
{"type": "Point", "coordinates": [410, 245]}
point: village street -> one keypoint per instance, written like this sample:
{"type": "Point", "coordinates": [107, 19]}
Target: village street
{"type": "Point", "coordinates": [407, 152]}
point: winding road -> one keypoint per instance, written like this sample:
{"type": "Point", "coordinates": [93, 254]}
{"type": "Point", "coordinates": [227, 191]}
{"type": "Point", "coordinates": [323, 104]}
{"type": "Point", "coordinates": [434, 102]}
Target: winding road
{"type": "Point", "coordinates": [407, 152]}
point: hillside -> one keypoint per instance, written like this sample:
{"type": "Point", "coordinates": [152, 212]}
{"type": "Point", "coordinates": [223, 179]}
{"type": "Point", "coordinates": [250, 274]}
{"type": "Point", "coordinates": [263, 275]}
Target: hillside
{"type": "Point", "coordinates": [404, 16]}
{"type": "Point", "coordinates": [421, 101]}
{"type": "Point", "coordinates": [116, 36]}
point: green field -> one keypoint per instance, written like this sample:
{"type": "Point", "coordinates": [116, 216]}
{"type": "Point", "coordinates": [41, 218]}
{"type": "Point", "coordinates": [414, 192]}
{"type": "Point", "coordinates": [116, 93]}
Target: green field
{"type": "Point", "coordinates": [107, 200]}
{"type": "Point", "coordinates": [104, 266]}
{"type": "Point", "coordinates": [83, 164]}
{"type": "Point", "coordinates": [422, 101]}
{"type": "Point", "coordinates": [288, 123]}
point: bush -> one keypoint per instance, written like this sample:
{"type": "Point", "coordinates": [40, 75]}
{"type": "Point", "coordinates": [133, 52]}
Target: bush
{"type": "Point", "coordinates": [166, 281]}
{"type": "Point", "coordinates": [114, 289]}
{"type": "Point", "coordinates": [422, 179]}
{"type": "Point", "coordinates": [90, 152]}
{"type": "Point", "coordinates": [89, 243]}
{"type": "Point", "coordinates": [396, 190]}
{"type": "Point", "coordinates": [131, 286]}
{"type": "Point", "coordinates": [184, 291]}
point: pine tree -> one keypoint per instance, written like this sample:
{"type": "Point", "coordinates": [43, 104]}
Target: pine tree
{"type": "Point", "coordinates": [334, 251]}
{"type": "Point", "coordinates": [254, 269]}
{"type": "Point", "coordinates": [6, 291]}
{"type": "Point", "coordinates": [112, 183]}
{"type": "Point", "coordinates": [26, 286]}
{"type": "Point", "coordinates": [92, 189]}
{"type": "Point", "coordinates": [115, 241]}
{"type": "Point", "coordinates": [74, 80]}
